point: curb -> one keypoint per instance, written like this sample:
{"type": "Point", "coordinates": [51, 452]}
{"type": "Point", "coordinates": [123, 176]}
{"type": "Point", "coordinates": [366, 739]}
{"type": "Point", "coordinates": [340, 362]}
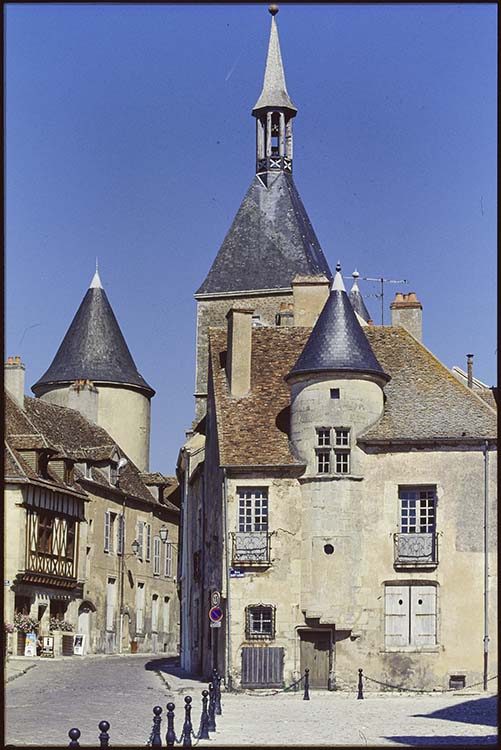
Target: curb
{"type": "Point", "coordinates": [19, 674]}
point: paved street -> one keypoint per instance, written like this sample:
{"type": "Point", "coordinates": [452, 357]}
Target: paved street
{"type": "Point", "coordinates": [43, 704]}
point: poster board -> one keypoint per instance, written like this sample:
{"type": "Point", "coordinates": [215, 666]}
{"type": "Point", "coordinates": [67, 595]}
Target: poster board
{"type": "Point", "coordinates": [78, 644]}
{"type": "Point", "coordinates": [30, 644]}
{"type": "Point", "coordinates": [47, 646]}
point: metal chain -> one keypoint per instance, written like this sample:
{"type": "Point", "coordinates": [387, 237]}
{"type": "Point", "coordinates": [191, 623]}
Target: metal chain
{"type": "Point", "coordinates": [273, 692]}
{"type": "Point", "coordinates": [416, 690]}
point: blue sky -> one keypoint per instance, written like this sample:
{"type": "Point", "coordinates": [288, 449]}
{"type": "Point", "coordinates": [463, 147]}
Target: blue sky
{"type": "Point", "coordinates": [129, 137]}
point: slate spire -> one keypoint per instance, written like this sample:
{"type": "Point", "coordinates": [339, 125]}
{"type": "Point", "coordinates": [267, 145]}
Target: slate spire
{"type": "Point", "coordinates": [337, 342]}
{"type": "Point", "coordinates": [274, 93]}
{"type": "Point", "coordinates": [356, 299]}
{"type": "Point", "coordinates": [94, 347]}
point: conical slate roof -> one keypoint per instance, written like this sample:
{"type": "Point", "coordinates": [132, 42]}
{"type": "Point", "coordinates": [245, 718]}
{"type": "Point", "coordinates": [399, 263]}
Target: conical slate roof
{"type": "Point", "coordinates": [94, 347]}
{"type": "Point", "coordinates": [270, 241]}
{"type": "Point", "coordinates": [357, 301]}
{"type": "Point", "coordinates": [274, 93]}
{"type": "Point", "coordinates": [337, 341]}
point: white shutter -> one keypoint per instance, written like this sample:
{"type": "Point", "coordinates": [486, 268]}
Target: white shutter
{"type": "Point", "coordinates": [156, 556]}
{"type": "Point", "coordinates": [168, 560]}
{"type": "Point", "coordinates": [139, 607]}
{"type": "Point", "coordinates": [148, 541]}
{"type": "Point", "coordinates": [110, 604]}
{"type": "Point", "coordinates": [107, 531]}
{"type": "Point", "coordinates": [120, 535]}
{"type": "Point", "coordinates": [397, 615]}
{"type": "Point", "coordinates": [424, 615]}
{"type": "Point", "coordinates": [165, 616]}
{"type": "Point", "coordinates": [154, 614]}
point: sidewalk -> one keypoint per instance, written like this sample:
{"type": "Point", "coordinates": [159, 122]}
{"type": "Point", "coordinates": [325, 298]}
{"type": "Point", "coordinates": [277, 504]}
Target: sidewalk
{"type": "Point", "coordinates": [15, 667]}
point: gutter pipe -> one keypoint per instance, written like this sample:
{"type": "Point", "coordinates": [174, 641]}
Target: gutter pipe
{"type": "Point", "coordinates": [227, 565]}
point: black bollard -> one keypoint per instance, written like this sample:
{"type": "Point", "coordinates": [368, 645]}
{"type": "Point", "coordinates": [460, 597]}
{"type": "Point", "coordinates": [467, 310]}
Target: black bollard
{"type": "Point", "coordinates": [156, 737]}
{"type": "Point", "coordinates": [360, 686]}
{"type": "Point", "coordinates": [306, 696]}
{"type": "Point", "coordinates": [187, 726]}
{"type": "Point", "coordinates": [217, 686]}
{"type": "Point", "coordinates": [74, 735]}
{"type": "Point", "coordinates": [204, 719]}
{"type": "Point", "coordinates": [104, 737]}
{"type": "Point", "coordinates": [170, 737]}
{"type": "Point", "coordinates": [212, 709]}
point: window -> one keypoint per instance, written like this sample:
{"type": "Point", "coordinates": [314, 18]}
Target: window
{"type": "Point", "coordinates": [252, 509]}
{"type": "Point", "coordinates": [110, 603]}
{"type": "Point", "coordinates": [417, 510]}
{"type": "Point", "coordinates": [334, 392]}
{"type": "Point", "coordinates": [332, 450]}
{"type": "Point", "coordinates": [147, 527]}
{"type": "Point", "coordinates": [410, 615]}
{"type": "Point", "coordinates": [260, 622]}
{"type": "Point", "coordinates": [154, 613]}
{"type": "Point", "coordinates": [140, 539]}
{"type": "Point", "coordinates": [168, 560]}
{"type": "Point", "coordinates": [156, 556]}
{"type": "Point", "coordinates": [139, 607]}
{"type": "Point", "coordinates": [45, 531]}
{"type": "Point", "coordinates": [120, 535]}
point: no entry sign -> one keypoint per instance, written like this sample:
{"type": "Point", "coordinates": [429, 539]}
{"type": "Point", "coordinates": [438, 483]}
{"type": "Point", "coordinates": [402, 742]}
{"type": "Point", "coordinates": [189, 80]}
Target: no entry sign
{"type": "Point", "coordinates": [215, 614]}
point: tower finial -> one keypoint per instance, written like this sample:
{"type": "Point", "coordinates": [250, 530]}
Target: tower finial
{"type": "Point", "coordinates": [273, 9]}
{"type": "Point", "coordinates": [96, 281]}
{"type": "Point", "coordinates": [338, 284]}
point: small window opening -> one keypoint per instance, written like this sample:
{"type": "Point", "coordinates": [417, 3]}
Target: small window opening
{"type": "Point", "coordinates": [457, 681]}
{"type": "Point", "coordinates": [328, 549]}
{"type": "Point", "coordinates": [334, 392]}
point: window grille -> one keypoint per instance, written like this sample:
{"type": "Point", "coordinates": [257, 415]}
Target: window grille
{"type": "Point", "coordinates": [260, 622]}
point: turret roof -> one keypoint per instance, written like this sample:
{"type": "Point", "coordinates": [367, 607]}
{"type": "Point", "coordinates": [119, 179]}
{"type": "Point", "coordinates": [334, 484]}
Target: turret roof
{"type": "Point", "coordinates": [94, 347]}
{"type": "Point", "coordinates": [337, 341]}
{"type": "Point", "coordinates": [356, 299]}
{"type": "Point", "coordinates": [270, 241]}
{"type": "Point", "coordinates": [274, 93]}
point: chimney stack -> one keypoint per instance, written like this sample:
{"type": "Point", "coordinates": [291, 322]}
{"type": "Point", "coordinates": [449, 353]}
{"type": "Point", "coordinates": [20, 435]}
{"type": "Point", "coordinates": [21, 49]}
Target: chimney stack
{"type": "Point", "coordinates": [238, 357]}
{"type": "Point", "coordinates": [406, 311]}
{"type": "Point", "coordinates": [14, 371]}
{"type": "Point", "coordinates": [469, 367]}
{"type": "Point", "coordinates": [310, 295]}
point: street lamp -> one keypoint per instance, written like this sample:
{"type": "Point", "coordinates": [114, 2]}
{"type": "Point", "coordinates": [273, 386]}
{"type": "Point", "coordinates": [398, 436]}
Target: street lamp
{"type": "Point", "coordinates": [163, 533]}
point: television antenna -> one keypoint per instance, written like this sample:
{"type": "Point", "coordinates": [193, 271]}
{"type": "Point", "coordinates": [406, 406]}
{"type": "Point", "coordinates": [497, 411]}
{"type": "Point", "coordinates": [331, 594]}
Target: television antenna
{"type": "Point", "coordinates": [383, 281]}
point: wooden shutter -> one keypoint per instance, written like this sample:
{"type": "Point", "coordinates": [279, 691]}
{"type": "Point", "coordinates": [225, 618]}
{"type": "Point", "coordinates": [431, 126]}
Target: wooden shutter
{"type": "Point", "coordinates": [397, 615]}
{"type": "Point", "coordinates": [156, 556]}
{"type": "Point", "coordinates": [262, 667]}
{"type": "Point", "coordinates": [110, 604]}
{"type": "Point", "coordinates": [148, 542]}
{"type": "Point", "coordinates": [120, 535]}
{"type": "Point", "coordinates": [423, 615]}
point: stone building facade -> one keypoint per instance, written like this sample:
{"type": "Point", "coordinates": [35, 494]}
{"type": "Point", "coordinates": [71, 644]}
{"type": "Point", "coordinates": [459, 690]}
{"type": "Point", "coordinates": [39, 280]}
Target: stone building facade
{"type": "Point", "coordinates": [344, 479]}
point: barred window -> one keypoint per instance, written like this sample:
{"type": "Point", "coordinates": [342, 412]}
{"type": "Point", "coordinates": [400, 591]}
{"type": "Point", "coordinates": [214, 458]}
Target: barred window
{"type": "Point", "coordinates": [260, 622]}
{"type": "Point", "coordinates": [252, 509]}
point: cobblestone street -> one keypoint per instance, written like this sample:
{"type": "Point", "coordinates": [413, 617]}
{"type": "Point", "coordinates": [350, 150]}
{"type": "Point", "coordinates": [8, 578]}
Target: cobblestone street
{"type": "Point", "coordinates": [43, 704]}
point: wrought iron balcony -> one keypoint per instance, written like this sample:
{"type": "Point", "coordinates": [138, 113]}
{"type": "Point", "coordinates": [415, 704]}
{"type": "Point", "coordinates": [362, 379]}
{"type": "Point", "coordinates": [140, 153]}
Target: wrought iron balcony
{"type": "Point", "coordinates": [250, 548]}
{"type": "Point", "coordinates": [416, 550]}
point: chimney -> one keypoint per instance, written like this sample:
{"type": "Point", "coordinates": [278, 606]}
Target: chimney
{"type": "Point", "coordinates": [310, 295]}
{"type": "Point", "coordinates": [14, 379]}
{"type": "Point", "coordinates": [469, 367]}
{"type": "Point", "coordinates": [238, 358]}
{"type": "Point", "coordinates": [83, 396]}
{"type": "Point", "coordinates": [406, 311]}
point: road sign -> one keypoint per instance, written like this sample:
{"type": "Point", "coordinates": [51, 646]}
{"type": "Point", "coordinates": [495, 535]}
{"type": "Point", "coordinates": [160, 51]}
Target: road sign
{"type": "Point", "coordinates": [215, 614]}
{"type": "Point", "coordinates": [215, 624]}
{"type": "Point", "coordinates": [236, 573]}
{"type": "Point", "coordinates": [215, 598]}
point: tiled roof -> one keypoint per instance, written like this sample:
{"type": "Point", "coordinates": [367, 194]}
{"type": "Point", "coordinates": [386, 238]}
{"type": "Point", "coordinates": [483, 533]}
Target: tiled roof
{"type": "Point", "coordinates": [337, 342]}
{"type": "Point", "coordinates": [73, 436]}
{"type": "Point", "coordinates": [253, 430]}
{"type": "Point", "coordinates": [94, 348]}
{"type": "Point", "coordinates": [270, 241]}
{"type": "Point", "coordinates": [274, 93]}
{"type": "Point", "coordinates": [424, 401]}
{"type": "Point", "coordinates": [358, 304]}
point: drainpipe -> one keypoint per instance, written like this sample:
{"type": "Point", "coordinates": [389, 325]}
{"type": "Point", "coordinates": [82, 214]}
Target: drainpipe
{"type": "Point", "coordinates": [186, 579]}
{"type": "Point", "coordinates": [227, 565]}
{"type": "Point", "coordinates": [486, 561]}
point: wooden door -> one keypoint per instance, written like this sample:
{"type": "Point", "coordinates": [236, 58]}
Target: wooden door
{"type": "Point", "coordinates": [315, 655]}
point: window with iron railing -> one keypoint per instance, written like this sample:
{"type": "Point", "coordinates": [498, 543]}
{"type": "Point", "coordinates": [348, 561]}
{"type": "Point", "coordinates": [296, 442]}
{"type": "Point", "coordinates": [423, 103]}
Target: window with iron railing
{"type": "Point", "coordinates": [416, 541]}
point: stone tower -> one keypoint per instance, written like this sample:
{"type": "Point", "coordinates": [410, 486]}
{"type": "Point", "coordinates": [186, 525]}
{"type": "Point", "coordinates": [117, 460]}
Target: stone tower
{"type": "Point", "coordinates": [271, 240]}
{"type": "Point", "coordinates": [93, 372]}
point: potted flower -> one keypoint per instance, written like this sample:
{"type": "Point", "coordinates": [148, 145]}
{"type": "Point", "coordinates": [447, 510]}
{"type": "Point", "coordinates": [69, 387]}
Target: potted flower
{"type": "Point", "coordinates": [8, 629]}
{"type": "Point", "coordinates": [23, 624]}
{"type": "Point", "coordinates": [63, 644]}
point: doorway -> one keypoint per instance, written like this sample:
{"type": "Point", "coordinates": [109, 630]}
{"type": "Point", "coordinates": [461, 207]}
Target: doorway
{"type": "Point", "coordinates": [316, 655]}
